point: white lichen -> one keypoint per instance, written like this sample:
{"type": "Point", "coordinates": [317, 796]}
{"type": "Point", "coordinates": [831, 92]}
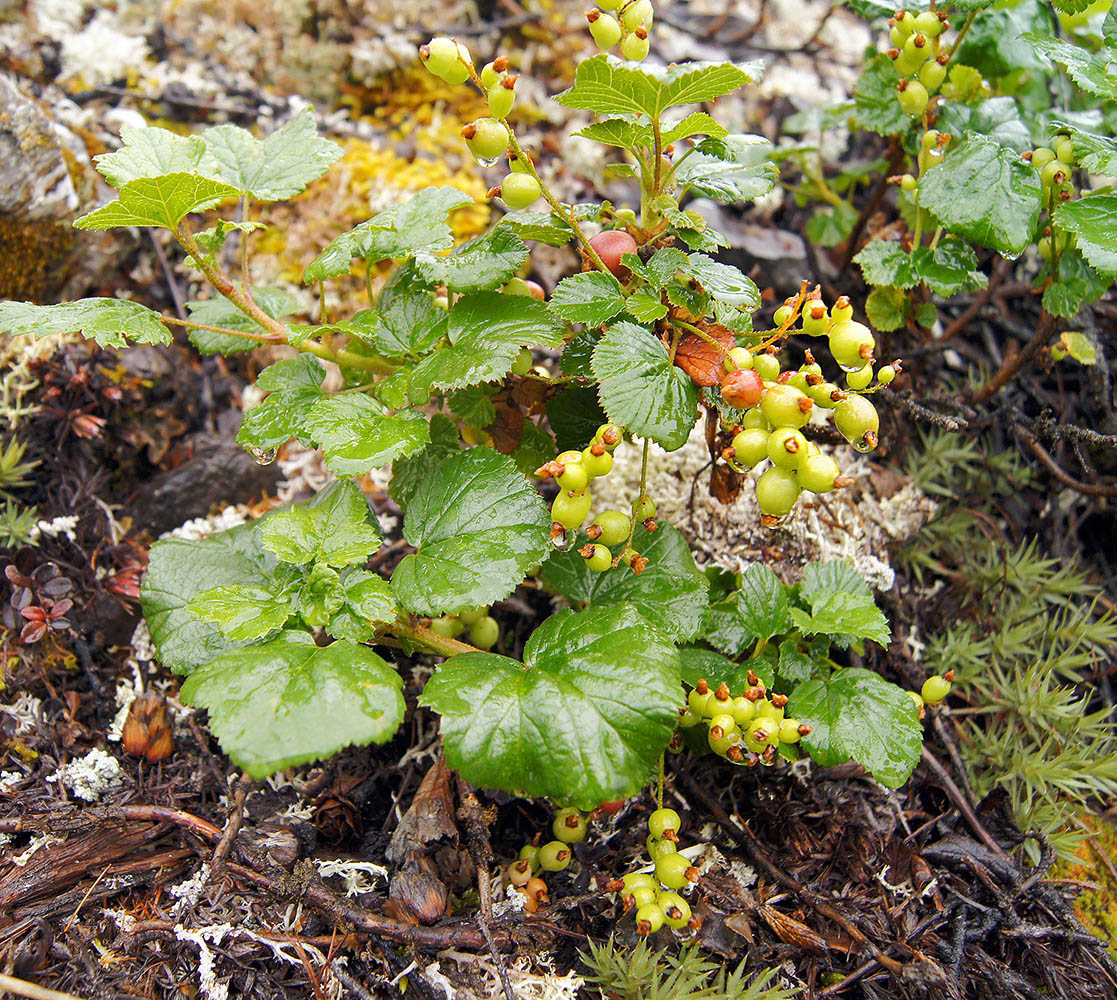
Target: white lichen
{"type": "Point", "coordinates": [91, 777]}
{"type": "Point", "coordinates": [356, 874]}
{"type": "Point", "coordinates": [55, 527]}
{"type": "Point", "coordinates": [189, 891]}
{"type": "Point", "coordinates": [207, 977]}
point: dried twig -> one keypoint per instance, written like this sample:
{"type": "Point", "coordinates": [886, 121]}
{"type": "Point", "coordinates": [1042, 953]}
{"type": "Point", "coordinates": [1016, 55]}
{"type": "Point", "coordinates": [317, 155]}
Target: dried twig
{"type": "Point", "coordinates": [1014, 363]}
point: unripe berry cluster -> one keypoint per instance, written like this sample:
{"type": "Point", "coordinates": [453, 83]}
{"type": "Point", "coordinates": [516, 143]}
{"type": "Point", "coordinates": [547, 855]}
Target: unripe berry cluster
{"type": "Point", "coordinates": [778, 404]}
{"type": "Point", "coordinates": [918, 56]}
{"type": "Point", "coordinates": [573, 471]}
{"type": "Point", "coordinates": [658, 899]}
{"type": "Point", "coordinates": [524, 875]}
{"type": "Point", "coordinates": [747, 729]}
{"type": "Point", "coordinates": [626, 22]}
{"type": "Point", "coordinates": [488, 138]}
{"type": "Point", "coordinates": [484, 631]}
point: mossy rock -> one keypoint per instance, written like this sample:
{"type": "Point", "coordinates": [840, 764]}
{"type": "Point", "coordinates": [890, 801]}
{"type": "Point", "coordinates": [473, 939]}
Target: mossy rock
{"type": "Point", "coordinates": [1097, 864]}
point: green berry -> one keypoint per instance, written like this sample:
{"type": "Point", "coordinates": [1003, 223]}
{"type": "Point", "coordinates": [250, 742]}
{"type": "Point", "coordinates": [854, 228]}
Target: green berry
{"type": "Point", "coordinates": [917, 700]}
{"type": "Point", "coordinates": [649, 918]}
{"type": "Point", "coordinates": [471, 616]}
{"type": "Point", "coordinates": [529, 852]}
{"type": "Point", "coordinates": [597, 465]}
{"type": "Point", "coordinates": [490, 75]}
{"type": "Point", "coordinates": [786, 406]}
{"type": "Point", "coordinates": [569, 826]}
{"type": "Point", "coordinates": [501, 98]}
{"type": "Point", "coordinates": [776, 492]}
{"type": "Point", "coordinates": [860, 379]}
{"type": "Point", "coordinates": [857, 421]}
{"type": "Point", "coordinates": [604, 28]}
{"type": "Point", "coordinates": [913, 97]}
{"type": "Point", "coordinates": [823, 395]}
{"type": "Point", "coordinates": [448, 58]}
{"type": "Point", "coordinates": [571, 509]}
{"type": "Point", "coordinates": [935, 689]}
{"type": "Point", "coordinates": [743, 711]}
{"type": "Point", "coordinates": [635, 879]}
{"type": "Point", "coordinates": [674, 871]}
{"type": "Point", "coordinates": [449, 628]}
{"type": "Point", "coordinates": [600, 560]}
{"type": "Point", "coordinates": [1054, 173]}
{"type": "Point", "coordinates": [520, 190]}
{"type": "Point", "coordinates": [904, 23]}
{"type": "Point", "coordinates": [615, 526]}
{"type": "Point", "coordinates": [699, 703]}
{"type": "Point", "coordinates": [722, 738]}
{"type": "Point", "coordinates": [675, 909]}
{"type": "Point", "coordinates": [485, 632]}
{"type": "Point", "coordinates": [754, 417]}
{"type": "Point", "coordinates": [486, 138]}
{"type": "Point", "coordinates": [787, 448]}
{"type": "Point", "coordinates": [1043, 156]}
{"type": "Point", "coordinates": [767, 366]}
{"type": "Point", "coordinates": [636, 13]}
{"type": "Point", "coordinates": [816, 318]}
{"type": "Point", "coordinates": [931, 75]}
{"type": "Point", "coordinates": [643, 509]}
{"type": "Point", "coordinates": [634, 47]}
{"type": "Point", "coordinates": [554, 856]}
{"type": "Point", "coordinates": [851, 343]}
{"type": "Point", "coordinates": [662, 820]}
{"type": "Point", "coordinates": [760, 733]}
{"type": "Point", "coordinates": [574, 478]}
{"type": "Point", "coordinates": [659, 848]}
{"type": "Point", "coordinates": [818, 473]}
{"type": "Point", "coordinates": [524, 361]}
{"type": "Point", "coordinates": [886, 375]}
{"type": "Point", "coordinates": [750, 447]}
{"type": "Point", "coordinates": [917, 49]}
{"type": "Point", "coordinates": [1064, 149]}
{"type": "Point", "coordinates": [766, 710]}
{"type": "Point", "coordinates": [783, 315]}
{"type": "Point", "coordinates": [641, 895]}
{"type": "Point", "coordinates": [738, 357]}
{"type": "Point", "coordinates": [789, 731]}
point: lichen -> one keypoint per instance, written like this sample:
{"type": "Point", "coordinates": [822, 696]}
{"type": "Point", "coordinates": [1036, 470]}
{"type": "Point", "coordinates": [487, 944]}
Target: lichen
{"type": "Point", "coordinates": [1097, 865]}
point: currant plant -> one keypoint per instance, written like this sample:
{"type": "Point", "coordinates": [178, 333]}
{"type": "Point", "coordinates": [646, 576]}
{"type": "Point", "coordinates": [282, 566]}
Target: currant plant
{"type": "Point", "coordinates": [447, 376]}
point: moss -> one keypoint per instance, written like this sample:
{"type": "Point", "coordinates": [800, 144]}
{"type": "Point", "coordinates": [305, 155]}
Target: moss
{"type": "Point", "coordinates": [35, 255]}
{"type": "Point", "coordinates": [1096, 862]}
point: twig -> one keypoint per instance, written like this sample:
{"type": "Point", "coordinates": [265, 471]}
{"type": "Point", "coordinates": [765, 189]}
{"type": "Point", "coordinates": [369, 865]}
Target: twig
{"type": "Point", "coordinates": [168, 275]}
{"type": "Point", "coordinates": [963, 319]}
{"type": "Point", "coordinates": [1037, 449]}
{"type": "Point", "coordinates": [962, 804]}
{"type": "Point", "coordinates": [232, 827]}
{"type": "Point", "coordinates": [22, 988]}
{"type": "Point", "coordinates": [1013, 364]}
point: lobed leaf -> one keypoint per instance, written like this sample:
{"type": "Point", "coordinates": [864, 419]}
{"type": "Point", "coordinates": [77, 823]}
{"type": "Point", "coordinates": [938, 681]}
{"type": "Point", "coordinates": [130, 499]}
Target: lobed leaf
{"type": "Point", "coordinates": [108, 322]}
{"type": "Point", "coordinates": [161, 202]}
{"type": "Point", "coordinates": [336, 527]}
{"type": "Point", "coordinates": [357, 436]}
{"type": "Point", "coordinates": [592, 297]}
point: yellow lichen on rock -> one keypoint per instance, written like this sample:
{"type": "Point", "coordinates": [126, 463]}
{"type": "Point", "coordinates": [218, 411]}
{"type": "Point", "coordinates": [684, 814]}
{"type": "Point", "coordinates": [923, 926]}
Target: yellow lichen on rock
{"type": "Point", "coordinates": [1096, 908]}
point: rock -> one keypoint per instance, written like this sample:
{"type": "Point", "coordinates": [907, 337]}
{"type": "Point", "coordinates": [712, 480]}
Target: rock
{"type": "Point", "coordinates": [221, 472]}
{"type": "Point", "coordinates": [47, 181]}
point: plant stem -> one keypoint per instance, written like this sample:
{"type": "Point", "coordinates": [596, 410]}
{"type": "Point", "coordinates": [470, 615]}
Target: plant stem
{"type": "Point", "coordinates": [260, 338]}
{"type": "Point", "coordinates": [962, 32]}
{"type": "Point", "coordinates": [659, 784]}
{"type": "Point", "coordinates": [440, 645]}
{"type": "Point", "coordinates": [245, 274]}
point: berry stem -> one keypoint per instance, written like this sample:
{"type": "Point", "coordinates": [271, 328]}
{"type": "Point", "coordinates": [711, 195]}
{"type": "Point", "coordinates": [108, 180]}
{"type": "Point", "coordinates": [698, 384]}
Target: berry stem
{"type": "Point", "coordinates": [962, 33]}
{"type": "Point", "coordinates": [659, 783]}
{"type": "Point", "coordinates": [260, 338]}
{"type": "Point", "coordinates": [245, 274]}
{"type": "Point", "coordinates": [555, 204]}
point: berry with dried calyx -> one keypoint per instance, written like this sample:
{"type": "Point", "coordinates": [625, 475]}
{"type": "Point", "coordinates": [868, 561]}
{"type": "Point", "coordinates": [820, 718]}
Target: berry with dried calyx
{"type": "Point", "coordinates": [604, 28]}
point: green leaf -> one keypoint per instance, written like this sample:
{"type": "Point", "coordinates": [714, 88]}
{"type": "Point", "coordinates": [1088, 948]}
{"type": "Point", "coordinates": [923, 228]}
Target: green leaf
{"type": "Point", "coordinates": [408, 473]}
{"type": "Point", "coordinates": [641, 389]}
{"type": "Point", "coordinates": [109, 322]}
{"type": "Point", "coordinates": [950, 268]}
{"type": "Point", "coordinates": [842, 605]}
{"type": "Point", "coordinates": [736, 168]}
{"type": "Point", "coordinates": [1095, 74]}
{"type": "Point", "coordinates": [857, 715]}
{"type": "Point", "coordinates": [574, 414]}
{"type": "Point", "coordinates": [985, 193]}
{"type": "Point", "coordinates": [242, 612]}
{"type": "Point", "coordinates": [1095, 153]}
{"type": "Point", "coordinates": [294, 386]}
{"type": "Point", "coordinates": [276, 168]}
{"type": "Point", "coordinates": [484, 263]}
{"type": "Point", "coordinates": [696, 123]}
{"type": "Point", "coordinates": [544, 226]}
{"type": "Point", "coordinates": [886, 308]}
{"type": "Point", "coordinates": [180, 569]}
{"type": "Point", "coordinates": [368, 600]}
{"type": "Point", "coordinates": [794, 665]}
{"type": "Point", "coordinates": [321, 595]}
{"type": "Point", "coordinates": [645, 305]}
{"type": "Point", "coordinates": [336, 527]}
{"type": "Point", "coordinates": [832, 224]}
{"type": "Point", "coordinates": [699, 663]}
{"type": "Point", "coordinates": [578, 354]}
{"type": "Point", "coordinates": [1093, 222]}
{"type": "Point", "coordinates": [723, 282]}
{"type": "Point", "coordinates": [612, 86]}
{"type": "Point", "coordinates": [289, 702]}
{"type": "Point", "coordinates": [758, 610]}
{"type": "Point", "coordinates": [477, 525]}
{"type": "Point", "coordinates": [660, 268]}
{"type": "Point", "coordinates": [408, 326]}
{"type": "Point", "coordinates": [582, 720]}
{"type": "Point", "coordinates": [624, 133]}
{"type": "Point", "coordinates": [592, 297]}
{"type": "Point", "coordinates": [158, 201]}
{"type": "Point", "coordinates": [219, 311]}
{"type": "Point", "coordinates": [671, 591]}
{"type": "Point", "coordinates": [356, 436]}
{"type": "Point", "coordinates": [1075, 284]}
{"type": "Point", "coordinates": [998, 118]}
{"type": "Point", "coordinates": [536, 446]}
{"type": "Point", "coordinates": [153, 152]}
{"type": "Point", "coordinates": [1080, 347]}
{"type": "Point", "coordinates": [486, 332]}
{"type": "Point", "coordinates": [876, 106]}
{"type": "Point", "coordinates": [419, 224]}
{"type": "Point", "coordinates": [474, 405]}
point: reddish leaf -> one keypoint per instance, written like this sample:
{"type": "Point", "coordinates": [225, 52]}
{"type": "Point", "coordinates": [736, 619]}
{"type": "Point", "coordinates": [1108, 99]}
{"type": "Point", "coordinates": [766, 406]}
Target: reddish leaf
{"type": "Point", "coordinates": [34, 613]}
{"type": "Point", "coordinates": [703, 362]}
{"type": "Point", "coordinates": [33, 632]}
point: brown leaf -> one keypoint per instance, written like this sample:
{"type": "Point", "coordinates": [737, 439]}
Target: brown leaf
{"type": "Point", "coordinates": [430, 817]}
{"type": "Point", "coordinates": [507, 427]}
{"type": "Point", "coordinates": [418, 897]}
{"type": "Point", "coordinates": [703, 362]}
{"type": "Point", "coordinates": [725, 484]}
{"type": "Point", "coordinates": [793, 932]}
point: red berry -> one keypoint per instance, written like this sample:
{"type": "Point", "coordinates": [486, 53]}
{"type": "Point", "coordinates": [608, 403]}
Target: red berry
{"type": "Point", "coordinates": [742, 388]}
{"type": "Point", "coordinates": [610, 246]}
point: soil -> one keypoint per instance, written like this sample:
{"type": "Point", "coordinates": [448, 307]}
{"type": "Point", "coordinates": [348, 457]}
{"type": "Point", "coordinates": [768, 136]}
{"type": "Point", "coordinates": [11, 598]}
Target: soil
{"type": "Point", "coordinates": [372, 874]}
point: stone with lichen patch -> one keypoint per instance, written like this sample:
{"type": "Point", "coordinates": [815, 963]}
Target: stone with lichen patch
{"type": "Point", "coordinates": [857, 524]}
